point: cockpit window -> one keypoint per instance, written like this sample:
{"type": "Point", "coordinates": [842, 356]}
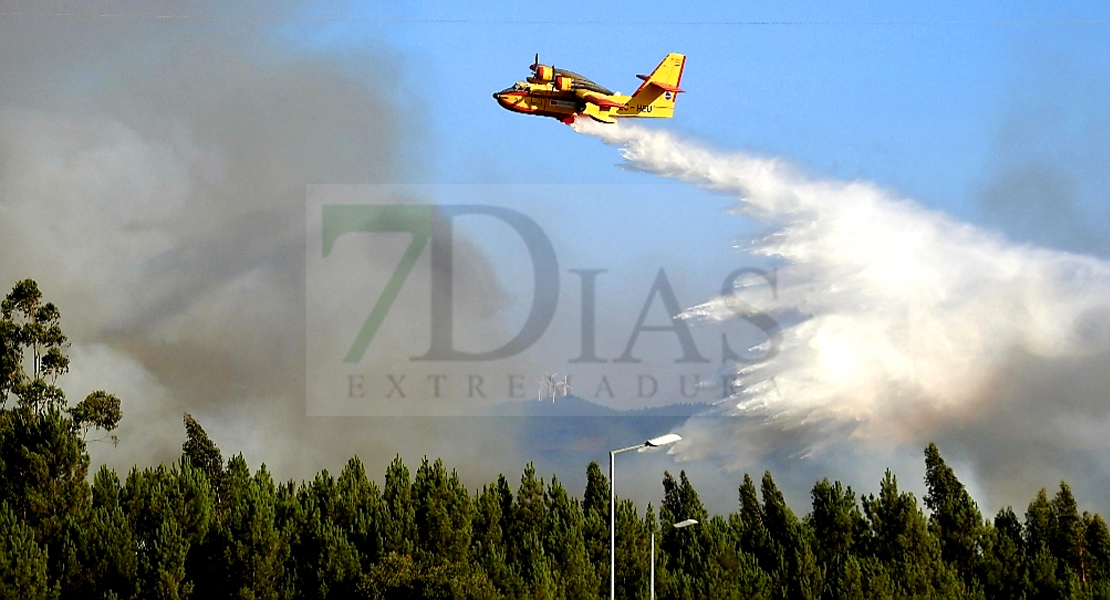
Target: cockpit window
{"type": "Point", "coordinates": [516, 87]}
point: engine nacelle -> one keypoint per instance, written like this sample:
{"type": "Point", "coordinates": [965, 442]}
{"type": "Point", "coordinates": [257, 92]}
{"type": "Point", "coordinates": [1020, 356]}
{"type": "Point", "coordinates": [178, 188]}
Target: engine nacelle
{"type": "Point", "coordinates": [563, 84]}
{"type": "Point", "coordinates": [542, 73]}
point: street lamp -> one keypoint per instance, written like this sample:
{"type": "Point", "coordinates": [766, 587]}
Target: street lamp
{"type": "Point", "coordinates": [662, 440]}
{"type": "Point", "coordinates": [679, 525]}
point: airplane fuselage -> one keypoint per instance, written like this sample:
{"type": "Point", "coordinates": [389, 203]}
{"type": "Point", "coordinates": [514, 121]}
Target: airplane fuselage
{"type": "Point", "coordinates": [540, 100]}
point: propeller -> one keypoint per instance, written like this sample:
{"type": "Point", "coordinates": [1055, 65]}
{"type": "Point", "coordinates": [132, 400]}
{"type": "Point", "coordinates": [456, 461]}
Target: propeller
{"type": "Point", "coordinates": [536, 64]}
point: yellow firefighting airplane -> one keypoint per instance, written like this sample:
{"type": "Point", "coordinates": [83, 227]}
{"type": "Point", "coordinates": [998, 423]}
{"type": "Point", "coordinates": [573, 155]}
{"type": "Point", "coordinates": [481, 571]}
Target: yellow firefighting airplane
{"type": "Point", "coordinates": [562, 94]}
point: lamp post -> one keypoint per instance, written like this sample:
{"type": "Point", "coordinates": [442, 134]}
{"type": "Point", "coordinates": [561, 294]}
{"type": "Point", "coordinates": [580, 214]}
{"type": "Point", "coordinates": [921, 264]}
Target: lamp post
{"type": "Point", "coordinates": [662, 440]}
{"type": "Point", "coordinates": [679, 525]}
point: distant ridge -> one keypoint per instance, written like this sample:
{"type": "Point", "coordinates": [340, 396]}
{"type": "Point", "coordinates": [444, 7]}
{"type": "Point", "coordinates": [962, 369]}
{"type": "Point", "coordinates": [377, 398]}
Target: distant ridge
{"type": "Point", "coordinates": [573, 430]}
{"type": "Point", "coordinates": [576, 406]}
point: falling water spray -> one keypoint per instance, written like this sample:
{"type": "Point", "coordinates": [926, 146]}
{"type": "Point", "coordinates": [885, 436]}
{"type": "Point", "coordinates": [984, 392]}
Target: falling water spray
{"type": "Point", "coordinates": [909, 316]}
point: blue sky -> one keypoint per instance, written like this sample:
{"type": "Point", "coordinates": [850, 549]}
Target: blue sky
{"type": "Point", "coordinates": [997, 113]}
{"type": "Point", "coordinates": [906, 94]}
{"type": "Point", "coordinates": [916, 97]}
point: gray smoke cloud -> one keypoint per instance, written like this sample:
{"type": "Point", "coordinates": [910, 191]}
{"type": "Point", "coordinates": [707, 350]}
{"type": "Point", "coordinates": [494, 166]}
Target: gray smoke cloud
{"type": "Point", "coordinates": [152, 180]}
{"type": "Point", "coordinates": [1047, 184]}
{"type": "Point", "coordinates": [1049, 173]}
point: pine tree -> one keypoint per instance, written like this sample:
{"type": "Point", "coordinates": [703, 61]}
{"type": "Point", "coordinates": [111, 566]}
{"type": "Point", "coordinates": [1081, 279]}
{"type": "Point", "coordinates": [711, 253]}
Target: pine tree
{"type": "Point", "coordinates": [836, 522]}
{"type": "Point", "coordinates": [1068, 541]}
{"type": "Point", "coordinates": [1040, 523]}
{"type": "Point", "coordinates": [789, 546]}
{"type": "Point", "coordinates": [327, 564]}
{"type": "Point", "coordinates": [360, 511]}
{"type": "Point", "coordinates": [42, 475]}
{"type": "Point", "coordinates": [754, 537]}
{"type": "Point", "coordinates": [254, 551]}
{"type": "Point", "coordinates": [527, 526]}
{"type": "Point", "coordinates": [565, 544]}
{"type": "Point", "coordinates": [687, 549]}
{"type": "Point", "coordinates": [399, 531]}
{"type": "Point", "coordinates": [442, 512]}
{"type": "Point", "coordinates": [1098, 545]}
{"type": "Point", "coordinates": [23, 565]}
{"type": "Point", "coordinates": [102, 556]}
{"type": "Point", "coordinates": [169, 511]}
{"type": "Point", "coordinates": [596, 497]}
{"type": "Point", "coordinates": [487, 544]}
{"type": "Point", "coordinates": [1002, 564]}
{"type": "Point", "coordinates": [632, 556]}
{"type": "Point", "coordinates": [595, 512]}
{"type": "Point", "coordinates": [901, 542]}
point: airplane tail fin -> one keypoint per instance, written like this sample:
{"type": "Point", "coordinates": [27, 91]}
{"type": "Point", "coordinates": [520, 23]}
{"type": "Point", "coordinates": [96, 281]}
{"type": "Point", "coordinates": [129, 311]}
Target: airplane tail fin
{"type": "Point", "coordinates": [656, 96]}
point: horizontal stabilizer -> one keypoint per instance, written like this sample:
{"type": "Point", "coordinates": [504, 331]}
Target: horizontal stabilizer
{"type": "Point", "coordinates": [662, 84]}
{"type": "Point", "coordinates": [666, 86]}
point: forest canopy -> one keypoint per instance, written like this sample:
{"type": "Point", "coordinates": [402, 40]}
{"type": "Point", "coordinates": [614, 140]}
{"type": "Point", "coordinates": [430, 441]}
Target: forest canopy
{"type": "Point", "coordinates": [206, 527]}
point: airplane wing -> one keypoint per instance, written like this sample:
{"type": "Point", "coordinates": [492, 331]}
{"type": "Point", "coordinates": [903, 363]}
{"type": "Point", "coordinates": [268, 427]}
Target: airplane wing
{"type": "Point", "coordinates": [599, 100]}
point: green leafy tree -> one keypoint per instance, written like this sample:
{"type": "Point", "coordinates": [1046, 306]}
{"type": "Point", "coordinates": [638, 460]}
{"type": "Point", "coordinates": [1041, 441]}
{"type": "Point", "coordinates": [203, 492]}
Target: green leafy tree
{"type": "Point", "coordinates": [43, 458]}
{"type": "Point", "coordinates": [202, 452]}
{"type": "Point", "coordinates": [955, 519]}
{"type": "Point", "coordinates": [395, 577]}
{"type": "Point", "coordinates": [99, 410]}
{"type": "Point", "coordinates": [31, 329]}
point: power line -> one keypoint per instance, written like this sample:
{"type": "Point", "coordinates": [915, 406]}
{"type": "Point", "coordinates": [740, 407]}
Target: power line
{"type": "Point", "coordinates": [425, 21]}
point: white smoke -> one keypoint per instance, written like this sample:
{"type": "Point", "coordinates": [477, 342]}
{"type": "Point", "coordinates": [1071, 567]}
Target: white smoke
{"type": "Point", "coordinates": [911, 319]}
